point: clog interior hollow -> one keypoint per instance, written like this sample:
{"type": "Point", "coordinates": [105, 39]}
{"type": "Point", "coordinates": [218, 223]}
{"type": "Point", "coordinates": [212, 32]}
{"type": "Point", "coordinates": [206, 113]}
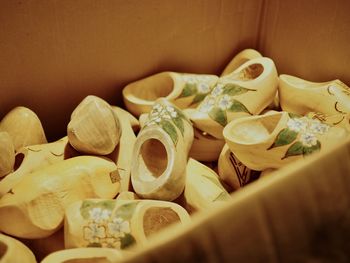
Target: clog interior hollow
{"type": "Point", "coordinates": [162, 85]}
{"type": "Point", "coordinates": [157, 218]}
{"type": "Point", "coordinates": [3, 249]}
{"type": "Point", "coordinates": [154, 158]}
{"type": "Point", "coordinates": [254, 131]}
{"type": "Point", "coordinates": [251, 72]}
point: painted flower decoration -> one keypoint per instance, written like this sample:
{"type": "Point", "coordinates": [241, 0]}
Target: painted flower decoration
{"type": "Point", "coordinates": [308, 139]}
{"type": "Point", "coordinates": [297, 124]}
{"type": "Point", "coordinates": [98, 214]}
{"type": "Point", "coordinates": [217, 90]}
{"type": "Point", "coordinates": [203, 88]}
{"type": "Point", "coordinates": [225, 102]}
{"type": "Point", "coordinates": [207, 104]}
{"type": "Point", "coordinates": [118, 227]}
{"type": "Point", "coordinates": [94, 232]}
{"type": "Point", "coordinates": [317, 127]}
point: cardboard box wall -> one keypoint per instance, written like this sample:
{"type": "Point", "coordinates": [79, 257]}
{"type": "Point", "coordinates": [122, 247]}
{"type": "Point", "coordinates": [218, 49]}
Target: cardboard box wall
{"type": "Point", "coordinates": [54, 53]}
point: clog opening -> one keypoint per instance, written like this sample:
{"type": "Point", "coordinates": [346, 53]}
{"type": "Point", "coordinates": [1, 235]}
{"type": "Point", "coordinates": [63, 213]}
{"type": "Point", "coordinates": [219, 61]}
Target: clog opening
{"type": "Point", "coordinates": [251, 72]}
{"type": "Point", "coordinates": [256, 130]}
{"type": "Point", "coordinates": [3, 249]}
{"type": "Point", "coordinates": [154, 87]}
{"type": "Point", "coordinates": [157, 218]}
{"type": "Point", "coordinates": [88, 260]}
{"type": "Point", "coordinates": [18, 160]}
{"type": "Point", "coordinates": [155, 157]}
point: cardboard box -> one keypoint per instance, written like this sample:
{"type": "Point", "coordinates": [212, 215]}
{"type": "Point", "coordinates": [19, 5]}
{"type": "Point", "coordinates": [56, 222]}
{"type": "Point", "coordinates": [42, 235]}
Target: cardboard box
{"type": "Point", "coordinates": [54, 53]}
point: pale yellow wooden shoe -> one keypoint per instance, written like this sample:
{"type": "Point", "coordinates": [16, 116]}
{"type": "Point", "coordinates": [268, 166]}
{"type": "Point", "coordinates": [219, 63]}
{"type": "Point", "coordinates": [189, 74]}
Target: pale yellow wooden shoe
{"type": "Point", "coordinates": [84, 255]}
{"type": "Point", "coordinates": [239, 59]}
{"type": "Point", "coordinates": [160, 153]}
{"type": "Point", "coordinates": [301, 96]}
{"type": "Point", "coordinates": [32, 158]}
{"type": "Point", "coordinates": [279, 138]}
{"type": "Point", "coordinates": [94, 128]}
{"type": "Point", "coordinates": [34, 207]}
{"type": "Point", "coordinates": [7, 154]}
{"type": "Point", "coordinates": [24, 127]}
{"type": "Point", "coordinates": [118, 224]}
{"type": "Point", "coordinates": [182, 89]}
{"type": "Point", "coordinates": [246, 91]}
{"type": "Point", "coordinates": [205, 148]}
{"type": "Point", "coordinates": [233, 172]}
{"type": "Point", "coordinates": [127, 195]}
{"type": "Point", "coordinates": [134, 122]}
{"type": "Point", "coordinates": [122, 154]}
{"type": "Point", "coordinates": [203, 189]}
{"type": "Point", "coordinates": [12, 251]}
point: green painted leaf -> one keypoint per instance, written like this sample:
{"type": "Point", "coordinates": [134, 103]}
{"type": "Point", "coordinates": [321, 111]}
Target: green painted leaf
{"type": "Point", "coordinates": [296, 148]}
{"type": "Point", "coordinates": [94, 245]}
{"type": "Point", "coordinates": [224, 196]}
{"type": "Point", "coordinates": [169, 128]}
{"type": "Point", "coordinates": [294, 115]}
{"type": "Point", "coordinates": [126, 241]}
{"type": "Point", "coordinates": [189, 90]}
{"type": "Point", "coordinates": [218, 115]}
{"type": "Point", "coordinates": [285, 136]}
{"type": "Point", "coordinates": [310, 150]}
{"type": "Point", "coordinates": [181, 114]}
{"type": "Point", "coordinates": [126, 211]}
{"type": "Point", "coordinates": [199, 97]}
{"type": "Point", "coordinates": [238, 107]}
{"type": "Point", "coordinates": [234, 89]}
{"type": "Point", "coordinates": [179, 124]}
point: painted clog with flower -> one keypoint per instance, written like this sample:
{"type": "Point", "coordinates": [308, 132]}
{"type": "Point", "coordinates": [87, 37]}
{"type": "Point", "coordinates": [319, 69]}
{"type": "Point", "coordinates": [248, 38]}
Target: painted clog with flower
{"type": "Point", "coordinates": [160, 153]}
{"type": "Point", "coordinates": [338, 119]}
{"type": "Point", "coordinates": [12, 250]}
{"type": "Point", "coordinates": [301, 96]}
{"type": "Point", "coordinates": [246, 91]}
{"type": "Point", "coordinates": [182, 89]}
{"type": "Point", "coordinates": [118, 224]}
{"type": "Point", "coordinates": [239, 59]}
{"type": "Point", "coordinates": [203, 188]}
{"type": "Point", "coordinates": [87, 255]}
{"type": "Point", "coordinates": [233, 172]}
{"type": "Point", "coordinates": [278, 138]}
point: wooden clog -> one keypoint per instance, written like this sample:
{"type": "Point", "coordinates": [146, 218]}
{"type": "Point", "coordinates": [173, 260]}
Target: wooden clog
{"type": "Point", "coordinates": [182, 89]}
{"type": "Point", "coordinates": [34, 207]}
{"type": "Point", "coordinates": [161, 152]}
{"type": "Point", "coordinates": [24, 127]}
{"type": "Point", "coordinates": [84, 255]}
{"type": "Point", "coordinates": [239, 59]}
{"type": "Point", "coordinates": [233, 172]}
{"type": "Point", "coordinates": [246, 91]}
{"type": "Point", "coordinates": [7, 154]}
{"type": "Point", "coordinates": [12, 251]}
{"type": "Point", "coordinates": [203, 189]}
{"type": "Point", "coordinates": [205, 148]}
{"type": "Point", "coordinates": [94, 128]}
{"type": "Point", "coordinates": [122, 154]}
{"type": "Point", "coordinates": [118, 223]}
{"type": "Point", "coordinates": [278, 138]}
{"type": "Point", "coordinates": [301, 96]}
{"type": "Point", "coordinates": [127, 195]}
{"type": "Point", "coordinates": [32, 158]}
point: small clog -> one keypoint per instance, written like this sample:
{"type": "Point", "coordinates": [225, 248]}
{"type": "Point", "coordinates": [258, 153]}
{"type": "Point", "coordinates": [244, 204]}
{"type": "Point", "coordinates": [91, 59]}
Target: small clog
{"type": "Point", "coordinates": [239, 59]}
{"type": "Point", "coordinates": [32, 158]}
{"type": "Point", "coordinates": [182, 89]}
{"type": "Point", "coordinates": [118, 224]}
{"type": "Point", "coordinates": [246, 91]}
{"type": "Point", "coordinates": [12, 251]}
{"type": "Point", "coordinates": [203, 189]}
{"type": "Point", "coordinates": [160, 153]}
{"type": "Point", "coordinates": [34, 207]}
{"type": "Point", "coordinates": [7, 154]}
{"type": "Point", "coordinates": [84, 255]}
{"type": "Point", "coordinates": [24, 127]}
{"type": "Point", "coordinates": [301, 96]}
{"type": "Point", "coordinates": [278, 138]}
{"type": "Point", "coordinates": [94, 128]}
{"type": "Point", "coordinates": [233, 172]}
